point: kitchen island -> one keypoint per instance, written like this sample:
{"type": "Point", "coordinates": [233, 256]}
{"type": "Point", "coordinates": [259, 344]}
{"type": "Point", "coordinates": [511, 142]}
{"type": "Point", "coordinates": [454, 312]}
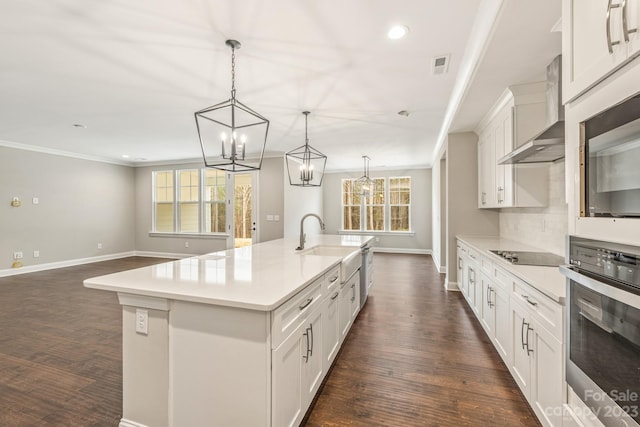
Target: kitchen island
{"type": "Point", "coordinates": [237, 337]}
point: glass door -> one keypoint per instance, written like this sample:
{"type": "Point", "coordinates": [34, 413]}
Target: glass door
{"type": "Point", "coordinates": [244, 218]}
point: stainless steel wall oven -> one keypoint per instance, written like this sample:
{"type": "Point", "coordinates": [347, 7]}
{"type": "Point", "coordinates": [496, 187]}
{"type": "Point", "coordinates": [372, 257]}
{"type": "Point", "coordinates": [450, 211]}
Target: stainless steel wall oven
{"type": "Point", "coordinates": [603, 328]}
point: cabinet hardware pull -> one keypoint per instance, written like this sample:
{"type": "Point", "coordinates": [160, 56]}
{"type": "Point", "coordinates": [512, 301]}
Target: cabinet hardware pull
{"type": "Point", "coordinates": [306, 303]}
{"type": "Point", "coordinates": [522, 334]}
{"type": "Point", "coordinates": [529, 350]}
{"type": "Point", "coordinates": [459, 263]}
{"type": "Point", "coordinates": [334, 296]}
{"type": "Point", "coordinates": [311, 332]}
{"type": "Point", "coordinates": [625, 29]}
{"type": "Point", "coordinates": [526, 298]}
{"type": "Point", "coordinates": [333, 279]}
{"type": "Point", "coordinates": [610, 44]}
{"type": "Point", "coordinates": [306, 356]}
{"type": "Point", "coordinates": [353, 288]}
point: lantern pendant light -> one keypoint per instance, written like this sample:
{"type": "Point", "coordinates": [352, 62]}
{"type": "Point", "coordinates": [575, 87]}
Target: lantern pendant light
{"type": "Point", "coordinates": [365, 184]}
{"type": "Point", "coordinates": [232, 136]}
{"type": "Point", "coordinates": [305, 164]}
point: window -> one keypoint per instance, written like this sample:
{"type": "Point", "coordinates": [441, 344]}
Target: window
{"type": "Point", "coordinates": [163, 200]}
{"type": "Point", "coordinates": [189, 200]}
{"type": "Point", "coordinates": [387, 208]}
{"type": "Point", "coordinates": [374, 207]}
{"type": "Point", "coordinates": [215, 192]}
{"type": "Point", "coordinates": [400, 203]}
{"type": "Point", "coordinates": [350, 205]}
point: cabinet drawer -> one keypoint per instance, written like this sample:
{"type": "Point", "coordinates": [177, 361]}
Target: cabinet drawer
{"type": "Point", "coordinates": [502, 278]}
{"type": "Point", "coordinates": [332, 279]}
{"type": "Point", "coordinates": [486, 264]}
{"type": "Point", "coordinates": [286, 318]}
{"type": "Point", "coordinates": [474, 256]}
{"type": "Point", "coordinates": [547, 312]}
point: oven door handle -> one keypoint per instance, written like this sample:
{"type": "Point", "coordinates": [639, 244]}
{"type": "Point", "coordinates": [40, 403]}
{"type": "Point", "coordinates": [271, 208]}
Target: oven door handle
{"type": "Point", "coordinates": [601, 287]}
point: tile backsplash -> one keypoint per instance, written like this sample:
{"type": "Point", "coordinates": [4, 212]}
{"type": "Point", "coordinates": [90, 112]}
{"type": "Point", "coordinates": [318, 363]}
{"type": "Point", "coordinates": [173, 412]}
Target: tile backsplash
{"type": "Point", "coordinates": [544, 228]}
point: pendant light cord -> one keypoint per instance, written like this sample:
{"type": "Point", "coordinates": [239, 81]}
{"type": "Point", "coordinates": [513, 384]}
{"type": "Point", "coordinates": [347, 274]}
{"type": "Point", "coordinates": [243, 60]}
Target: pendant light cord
{"type": "Point", "coordinates": [233, 72]}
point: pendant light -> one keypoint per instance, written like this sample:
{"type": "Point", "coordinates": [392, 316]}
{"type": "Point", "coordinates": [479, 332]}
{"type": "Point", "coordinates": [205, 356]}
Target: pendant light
{"type": "Point", "coordinates": [232, 136]}
{"type": "Point", "coordinates": [305, 164]}
{"type": "Point", "coordinates": [365, 184]}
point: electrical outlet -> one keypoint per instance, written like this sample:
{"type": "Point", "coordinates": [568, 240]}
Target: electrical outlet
{"type": "Point", "coordinates": [186, 244]}
{"type": "Point", "coordinates": [36, 253]}
{"type": "Point", "coordinates": [142, 321]}
{"type": "Point", "coordinates": [35, 200]}
{"type": "Point", "coordinates": [17, 255]}
{"type": "Point", "coordinates": [99, 245]}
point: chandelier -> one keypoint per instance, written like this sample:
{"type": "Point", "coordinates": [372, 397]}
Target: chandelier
{"type": "Point", "coordinates": [365, 184]}
{"type": "Point", "coordinates": [305, 164]}
{"type": "Point", "coordinates": [232, 136]}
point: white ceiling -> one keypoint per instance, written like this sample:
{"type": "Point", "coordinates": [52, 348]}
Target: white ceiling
{"type": "Point", "coordinates": [134, 72]}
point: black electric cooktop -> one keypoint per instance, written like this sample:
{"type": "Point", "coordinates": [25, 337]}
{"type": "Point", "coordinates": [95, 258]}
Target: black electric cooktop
{"type": "Point", "coordinates": [544, 259]}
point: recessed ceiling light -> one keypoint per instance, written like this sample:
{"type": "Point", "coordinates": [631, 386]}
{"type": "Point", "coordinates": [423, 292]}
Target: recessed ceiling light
{"type": "Point", "coordinates": [77, 125]}
{"type": "Point", "coordinates": [125, 156]}
{"type": "Point", "coordinates": [397, 32]}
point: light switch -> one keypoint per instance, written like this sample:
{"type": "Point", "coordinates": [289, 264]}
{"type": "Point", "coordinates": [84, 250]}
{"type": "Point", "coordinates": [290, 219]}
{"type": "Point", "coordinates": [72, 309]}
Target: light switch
{"type": "Point", "coordinates": [35, 201]}
{"type": "Point", "coordinates": [269, 217]}
{"type": "Point", "coordinates": [276, 217]}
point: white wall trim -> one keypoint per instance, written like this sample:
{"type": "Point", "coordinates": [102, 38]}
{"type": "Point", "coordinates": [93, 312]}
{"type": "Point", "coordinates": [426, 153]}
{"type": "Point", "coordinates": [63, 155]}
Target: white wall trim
{"type": "Point", "coordinates": [53, 151]}
{"type": "Point", "coordinates": [402, 251]}
{"type": "Point", "coordinates": [175, 255]}
{"type": "Point", "coordinates": [62, 264]}
{"type": "Point", "coordinates": [128, 423]}
{"type": "Point", "coordinates": [451, 286]}
{"type": "Point", "coordinates": [442, 269]}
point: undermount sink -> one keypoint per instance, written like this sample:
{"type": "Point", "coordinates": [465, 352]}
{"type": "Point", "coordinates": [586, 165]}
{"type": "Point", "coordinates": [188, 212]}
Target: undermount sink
{"type": "Point", "coordinates": [351, 257]}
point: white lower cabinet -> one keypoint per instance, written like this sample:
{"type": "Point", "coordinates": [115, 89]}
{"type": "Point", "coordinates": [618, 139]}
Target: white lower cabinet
{"type": "Point", "coordinates": [301, 360]}
{"type": "Point", "coordinates": [348, 304]}
{"type": "Point", "coordinates": [537, 363]}
{"type": "Point", "coordinates": [525, 327]}
{"type": "Point", "coordinates": [331, 327]}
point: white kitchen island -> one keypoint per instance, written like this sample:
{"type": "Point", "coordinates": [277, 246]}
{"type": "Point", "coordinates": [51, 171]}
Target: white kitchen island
{"type": "Point", "coordinates": [241, 337]}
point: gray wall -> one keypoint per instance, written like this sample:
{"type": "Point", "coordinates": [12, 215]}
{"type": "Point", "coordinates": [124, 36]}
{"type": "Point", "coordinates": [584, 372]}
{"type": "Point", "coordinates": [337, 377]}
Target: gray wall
{"type": "Point", "coordinates": [421, 211]}
{"type": "Point", "coordinates": [270, 198]}
{"type": "Point", "coordinates": [299, 201]}
{"type": "Point", "coordinates": [81, 203]}
{"type": "Point", "coordinates": [463, 215]}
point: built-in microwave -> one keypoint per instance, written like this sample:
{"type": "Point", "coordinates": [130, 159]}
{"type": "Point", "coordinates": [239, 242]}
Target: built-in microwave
{"type": "Point", "coordinates": [610, 162]}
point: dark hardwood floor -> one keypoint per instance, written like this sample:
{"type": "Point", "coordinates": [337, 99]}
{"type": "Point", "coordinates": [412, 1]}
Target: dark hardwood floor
{"type": "Point", "coordinates": [415, 356]}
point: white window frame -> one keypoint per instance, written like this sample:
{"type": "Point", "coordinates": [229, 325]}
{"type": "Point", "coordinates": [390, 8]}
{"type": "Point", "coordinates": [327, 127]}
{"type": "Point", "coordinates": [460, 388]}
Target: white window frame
{"type": "Point", "coordinates": [387, 209]}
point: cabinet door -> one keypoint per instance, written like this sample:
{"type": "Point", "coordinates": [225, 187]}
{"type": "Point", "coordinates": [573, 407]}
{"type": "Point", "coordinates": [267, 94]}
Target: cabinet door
{"type": "Point", "coordinates": [547, 376]}
{"type": "Point", "coordinates": [502, 329]}
{"type": "Point", "coordinates": [354, 299]}
{"type": "Point", "coordinates": [487, 306]}
{"type": "Point", "coordinates": [344, 310]}
{"type": "Point", "coordinates": [331, 328]}
{"type": "Point", "coordinates": [286, 388]}
{"type": "Point", "coordinates": [502, 147]}
{"type": "Point", "coordinates": [593, 52]}
{"type": "Point", "coordinates": [486, 170]}
{"type": "Point", "coordinates": [312, 358]}
{"type": "Point", "coordinates": [521, 336]}
{"type": "Point", "coordinates": [472, 274]}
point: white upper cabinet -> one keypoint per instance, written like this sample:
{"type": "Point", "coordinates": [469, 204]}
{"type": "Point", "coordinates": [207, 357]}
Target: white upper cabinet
{"type": "Point", "coordinates": [517, 116]}
{"type": "Point", "coordinates": [598, 37]}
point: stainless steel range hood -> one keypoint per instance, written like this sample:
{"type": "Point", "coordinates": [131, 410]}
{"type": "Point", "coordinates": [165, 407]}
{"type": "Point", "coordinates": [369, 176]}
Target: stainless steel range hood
{"type": "Point", "coordinates": [548, 145]}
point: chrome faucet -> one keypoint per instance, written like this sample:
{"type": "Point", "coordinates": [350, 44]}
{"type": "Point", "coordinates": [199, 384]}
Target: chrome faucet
{"type": "Point", "coordinates": [302, 235]}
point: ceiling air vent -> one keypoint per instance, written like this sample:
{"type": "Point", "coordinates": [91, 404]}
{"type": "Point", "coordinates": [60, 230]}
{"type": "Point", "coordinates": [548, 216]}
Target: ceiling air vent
{"type": "Point", "coordinates": [440, 64]}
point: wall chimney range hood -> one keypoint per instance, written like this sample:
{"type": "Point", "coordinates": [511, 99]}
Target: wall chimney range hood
{"type": "Point", "coordinates": [548, 145]}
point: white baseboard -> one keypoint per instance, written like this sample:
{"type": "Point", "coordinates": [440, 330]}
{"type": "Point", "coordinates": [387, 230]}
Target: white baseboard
{"type": "Point", "coordinates": [163, 254]}
{"type": "Point", "coordinates": [451, 286]}
{"type": "Point", "coordinates": [62, 264]}
{"type": "Point", "coordinates": [128, 423]}
{"type": "Point", "coordinates": [402, 251]}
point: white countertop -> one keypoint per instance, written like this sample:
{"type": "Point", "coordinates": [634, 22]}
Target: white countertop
{"type": "Point", "coordinates": [257, 277]}
{"type": "Point", "coordinates": [547, 280]}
